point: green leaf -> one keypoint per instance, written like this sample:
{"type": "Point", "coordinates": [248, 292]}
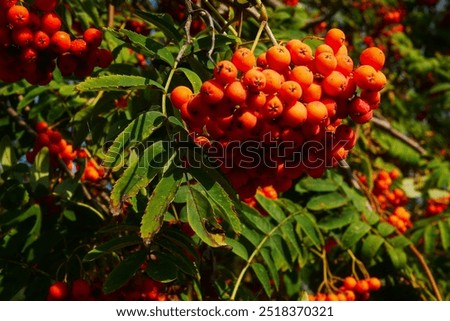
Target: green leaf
{"type": "Point", "coordinates": [219, 192]}
{"type": "Point", "coordinates": [139, 174]}
{"type": "Point", "coordinates": [201, 221]}
{"type": "Point", "coordinates": [354, 233]}
{"type": "Point", "coordinates": [263, 277]}
{"type": "Point", "coordinates": [444, 230]}
{"type": "Point", "coordinates": [309, 227]}
{"type": "Point", "coordinates": [398, 257]}
{"type": "Point", "coordinates": [111, 246]}
{"type": "Point", "coordinates": [120, 275]}
{"type": "Point", "coordinates": [409, 188]}
{"type": "Point", "coordinates": [162, 268]}
{"type": "Point", "coordinates": [117, 83]}
{"type": "Point", "coordinates": [371, 217]}
{"type": "Point", "coordinates": [7, 157]}
{"type": "Point", "coordinates": [237, 248]}
{"type": "Point", "coordinates": [193, 78]}
{"type": "Point", "coordinates": [40, 169]}
{"type": "Point", "coordinates": [335, 221]}
{"type": "Point", "coordinates": [326, 202]}
{"type": "Point", "coordinates": [159, 201]}
{"type": "Point", "coordinates": [254, 219]}
{"type": "Point", "coordinates": [138, 130]}
{"type": "Point", "coordinates": [164, 22]}
{"type": "Point", "coordinates": [318, 184]}
{"type": "Point", "coordinates": [399, 241]}
{"type": "Point", "coordinates": [271, 207]}
{"type": "Point", "coordinates": [385, 229]}
{"type": "Point", "coordinates": [430, 239]}
{"type": "Point", "coordinates": [371, 245]}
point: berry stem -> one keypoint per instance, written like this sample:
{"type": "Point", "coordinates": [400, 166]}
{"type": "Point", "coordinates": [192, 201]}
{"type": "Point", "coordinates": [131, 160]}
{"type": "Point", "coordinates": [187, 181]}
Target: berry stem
{"type": "Point", "coordinates": [258, 35]}
{"type": "Point", "coordinates": [219, 17]}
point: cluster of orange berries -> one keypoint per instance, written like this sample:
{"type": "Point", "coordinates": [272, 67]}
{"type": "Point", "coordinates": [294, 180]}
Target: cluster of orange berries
{"type": "Point", "coordinates": [139, 288]}
{"type": "Point", "coordinates": [351, 290]}
{"type": "Point", "coordinates": [93, 171]}
{"type": "Point", "coordinates": [400, 219]}
{"type": "Point", "coordinates": [31, 40]}
{"type": "Point", "coordinates": [288, 105]}
{"type": "Point", "coordinates": [57, 146]}
{"type": "Point", "coordinates": [385, 194]}
{"type": "Point", "coordinates": [437, 206]}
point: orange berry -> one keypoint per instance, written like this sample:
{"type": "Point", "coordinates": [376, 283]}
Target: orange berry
{"type": "Point", "coordinates": [365, 76]}
{"type": "Point", "coordinates": [335, 38]}
{"type": "Point", "coordinates": [41, 126]}
{"type": "Point", "coordinates": [332, 297]}
{"type": "Point", "coordinates": [323, 48]}
{"type": "Point", "coordinates": [349, 283]}
{"type": "Point", "coordinates": [18, 16]}
{"type": "Point", "coordinates": [325, 63]}
{"type": "Point", "coordinates": [350, 295]}
{"type": "Point", "coordinates": [312, 93]}
{"type": "Point", "coordinates": [60, 42]}
{"type": "Point", "coordinates": [236, 92]}
{"type": "Point", "coordinates": [303, 75]}
{"type": "Point", "coordinates": [317, 112]}
{"type": "Point", "coordinates": [362, 286]}
{"type": "Point", "coordinates": [294, 115]}
{"type": "Point", "coordinates": [243, 59]}
{"type": "Point", "coordinates": [334, 84]}
{"type": "Point", "coordinates": [273, 107]}
{"type": "Point", "coordinates": [301, 53]}
{"type": "Point", "coordinates": [344, 64]}
{"type": "Point", "coordinates": [254, 79]}
{"type": "Point", "coordinates": [290, 91]}
{"type": "Point", "coordinates": [180, 95]}
{"type": "Point", "coordinates": [273, 81]}
{"type": "Point", "coordinates": [212, 91]}
{"type": "Point", "coordinates": [245, 119]}
{"type": "Point", "coordinates": [374, 284]}
{"type": "Point", "coordinates": [225, 72]}
{"type": "Point", "coordinates": [256, 100]}
{"type": "Point", "coordinates": [341, 297]}
{"type": "Point", "coordinates": [261, 61]}
{"type": "Point", "coordinates": [372, 56]}
{"type": "Point", "coordinates": [278, 57]}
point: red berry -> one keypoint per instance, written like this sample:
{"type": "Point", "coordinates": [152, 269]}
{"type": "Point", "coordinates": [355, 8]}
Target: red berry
{"type": "Point", "coordinates": [46, 5]}
{"type": "Point", "coordinates": [58, 291]}
{"type": "Point", "coordinates": [22, 36]}
{"type": "Point", "coordinates": [41, 40]}
{"type": "Point", "coordinates": [104, 58]}
{"type": "Point", "coordinates": [93, 37]}
{"type": "Point", "coordinates": [78, 47]}
{"type": "Point", "coordinates": [60, 42]}
{"type": "Point", "coordinates": [7, 3]}
{"type": "Point", "coordinates": [41, 127]}
{"type": "Point", "coordinates": [81, 290]}
{"type": "Point", "coordinates": [18, 16]}
{"type": "Point", "coordinates": [51, 23]}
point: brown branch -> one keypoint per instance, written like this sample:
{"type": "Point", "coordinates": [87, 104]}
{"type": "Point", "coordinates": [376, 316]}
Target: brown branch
{"type": "Point", "coordinates": [385, 125]}
{"type": "Point", "coordinates": [427, 271]}
{"type": "Point", "coordinates": [111, 12]}
{"type": "Point", "coordinates": [18, 119]}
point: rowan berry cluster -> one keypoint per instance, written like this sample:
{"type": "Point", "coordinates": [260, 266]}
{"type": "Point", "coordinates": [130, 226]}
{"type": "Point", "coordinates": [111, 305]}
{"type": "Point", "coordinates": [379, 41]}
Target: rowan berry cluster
{"type": "Point", "coordinates": [437, 206]}
{"type": "Point", "coordinates": [57, 146]}
{"type": "Point", "coordinates": [93, 171]}
{"type": "Point", "coordinates": [31, 40]}
{"type": "Point", "coordinates": [138, 288]}
{"type": "Point", "coordinates": [286, 104]}
{"type": "Point", "coordinates": [350, 290]}
{"type": "Point", "coordinates": [400, 219]}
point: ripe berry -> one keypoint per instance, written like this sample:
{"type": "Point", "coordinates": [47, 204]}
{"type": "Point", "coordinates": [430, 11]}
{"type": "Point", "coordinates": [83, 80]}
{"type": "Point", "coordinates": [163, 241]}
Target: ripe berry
{"type": "Point", "coordinates": [243, 59]}
{"type": "Point", "coordinates": [58, 291]}
{"type": "Point", "coordinates": [362, 286]}
{"type": "Point", "coordinates": [374, 284]}
{"type": "Point", "coordinates": [254, 79]}
{"type": "Point", "coordinates": [225, 72]}
{"type": "Point", "coordinates": [41, 40]}
{"type": "Point", "coordinates": [295, 115]}
{"type": "Point", "coordinates": [41, 126]}
{"type": "Point", "coordinates": [325, 63]}
{"type": "Point", "coordinates": [349, 283]}
{"type": "Point", "coordinates": [278, 58]}
{"type": "Point", "coordinates": [51, 23]}
{"type": "Point", "coordinates": [180, 95]}
{"type": "Point", "coordinates": [334, 84]}
{"type": "Point", "coordinates": [81, 290]}
{"type": "Point", "coordinates": [18, 16]}
{"type": "Point", "coordinates": [103, 58]}
{"type": "Point", "coordinates": [236, 92]}
{"type": "Point", "coordinates": [301, 53]}
{"type": "Point", "coordinates": [290, 91]}
{"type": "Point", "coordinates": [6, 4]}
{"type": "Point", "coordinates": [273, 107]}
{"type": "Point", "coordinates": [212, 91]}
{"type": "Point", "coordinates": [303, 75]}
{"type": "Point", "coordinates": [60, 42]}
{"type": "Point", "coordinates": [78, 47]}
{"type": "Point", "coordinates": [273, 81]}
{"type": "Point", "coordinates": [317, 112]}
{"type": "Point", "coordinates": [45, 5]}
{"type": "Point", "coordinates": [372, 56]}
{"type": "Point", "coordinates": [335, 38]}
{"type": "Point", "coordinates": [93, 37]}
{"type": "Point", "coordinates": [22, 36]}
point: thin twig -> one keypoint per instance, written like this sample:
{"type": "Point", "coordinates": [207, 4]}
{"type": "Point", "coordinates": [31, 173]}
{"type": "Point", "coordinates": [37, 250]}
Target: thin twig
{"type": "Point", "coordinates": [18, 119]}
{"type": "Point", "coordinates": [385, 125]}
{"type": "Point", "coordinates": [427, 270]}
{"type": "Point", "coordinates": [111, 12]}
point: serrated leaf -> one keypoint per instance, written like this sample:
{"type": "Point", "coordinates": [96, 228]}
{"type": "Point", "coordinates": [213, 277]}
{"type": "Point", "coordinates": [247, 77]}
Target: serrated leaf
{"type": "Point", "coordinates": [193, 78]}
{"type": "Point", "coordinates": [309, 227]}
{"type": "Point", "coordinates": [237, 248]}
{"type": "Point", "coordinates": [138, 130]}
{"type": "Point", "coordinates": [139, 174]}
{"type": "Point", "coordinates": [371, 245]}
{"type": "Point", "coordinates": [263, 277]}
{"type": "Point", "coordinates": [120, 275]}
{"type": "Point", "coordinates": [159, 201]}
{"type": "Point", "coordinates": [271, 207]}
{"type": "Point", "coordinates": [371, 217]}
{"type": "Point", "coordinates": [200, 220]}
{"type": "Point", "coordinates": [254, 219]}
{"type": "Point", "coordinates": [266, 254]}
{"type": "Point", "coordinates": [326, 202]}
{"type": "Point", "coordinates": [164, 23]}
{"type": "Point", "coordinates": [219, 192]}
{"type": "Point", "coordinates": [444, 231]}
{"type": "Point", "coordinates": [111, 246]}
{"type": "Point", "coordinates": [354, 233]}
{"type": "Point", "coordinates": [398, 257]}
{"type": "Point", "coordinates": [318, 184]}
{"type": "Point", "coordinates": [335, 221]}
{"type": "Point", "coordinates": [117, 83]}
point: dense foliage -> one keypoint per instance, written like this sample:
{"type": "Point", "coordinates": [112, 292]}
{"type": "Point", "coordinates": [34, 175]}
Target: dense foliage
{"type": "Point", "coordinates": [110, 187]}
